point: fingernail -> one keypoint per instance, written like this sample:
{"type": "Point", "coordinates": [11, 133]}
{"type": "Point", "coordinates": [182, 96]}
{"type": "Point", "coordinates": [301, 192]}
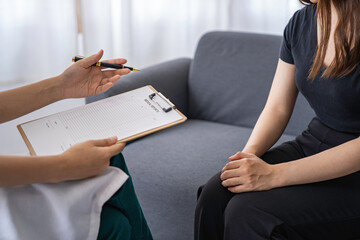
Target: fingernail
{"type": "Point", "coordinates": [113, 139]}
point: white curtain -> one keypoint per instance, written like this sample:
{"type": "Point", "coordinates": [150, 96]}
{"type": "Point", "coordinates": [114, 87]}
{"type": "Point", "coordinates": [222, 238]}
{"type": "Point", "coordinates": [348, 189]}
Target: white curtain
{"type": "Point", "coordinates": [39, 37]}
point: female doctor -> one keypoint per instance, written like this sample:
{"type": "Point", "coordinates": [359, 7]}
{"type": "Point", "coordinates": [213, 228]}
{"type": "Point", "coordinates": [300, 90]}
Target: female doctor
{"type": "Point", "coordinates": [121, 216]}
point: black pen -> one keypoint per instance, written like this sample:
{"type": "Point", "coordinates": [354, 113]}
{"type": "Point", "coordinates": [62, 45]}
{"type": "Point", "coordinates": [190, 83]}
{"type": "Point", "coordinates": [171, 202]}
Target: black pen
{"type": "Point", "coordinates": [105, 64]}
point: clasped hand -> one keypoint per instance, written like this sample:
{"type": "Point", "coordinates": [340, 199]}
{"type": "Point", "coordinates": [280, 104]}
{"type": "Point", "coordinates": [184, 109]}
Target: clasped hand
{"type": "Point", "coordinates": [246, 172]}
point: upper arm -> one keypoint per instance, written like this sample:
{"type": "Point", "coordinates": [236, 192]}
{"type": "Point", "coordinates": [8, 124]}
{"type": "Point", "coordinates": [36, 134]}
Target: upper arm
{"type": "Point", "coordinates": [283, 92]}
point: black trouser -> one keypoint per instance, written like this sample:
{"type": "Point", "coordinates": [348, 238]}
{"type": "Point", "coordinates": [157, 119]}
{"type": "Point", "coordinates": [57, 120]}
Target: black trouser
{"type": "Point", "coordinates": [320, 211]}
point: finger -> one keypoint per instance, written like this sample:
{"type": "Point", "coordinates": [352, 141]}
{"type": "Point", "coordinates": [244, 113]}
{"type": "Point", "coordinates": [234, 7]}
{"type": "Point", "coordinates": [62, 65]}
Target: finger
{"type": "Point", "coordinates": [116, 148]}
{"type": "Point", "coordinates": [240, 155]}
{"type": "Point", "coordinates": [232, 182]}
{"type": "Point", "coordinates": [232, 165]}
{"type": "Point", "coordinates": [104, 142]}
{"type": "Point", "coordinates": [239, 189]}
{"type": "Point", "coordinates": [229, 174]}
{"type": "Point", "coordinates": [123, 71]}
{"type": "Point", "coordinates": [103, 88]}
{"type": "Point", "coordinates": [116, 61]}
{"type": "Point", "coordinates": [111, 79]}
{"type": "Point", "coordinates": [110, 73]}
{"type": "Point", "coordinates": [91, 60]}
{"type": "Point", "coordinates": [114, 79]}
{"type": "Point", "coordinates": [106, 84]}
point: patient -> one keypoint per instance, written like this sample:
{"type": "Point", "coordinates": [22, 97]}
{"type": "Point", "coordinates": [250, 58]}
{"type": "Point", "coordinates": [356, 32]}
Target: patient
{"type": "Point", "coordinates": [121, 216]}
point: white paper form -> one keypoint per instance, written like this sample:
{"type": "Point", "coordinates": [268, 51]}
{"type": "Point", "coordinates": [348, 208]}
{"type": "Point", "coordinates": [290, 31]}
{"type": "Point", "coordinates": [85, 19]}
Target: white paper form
{"type": "Point", "coordinates": [123, 115]}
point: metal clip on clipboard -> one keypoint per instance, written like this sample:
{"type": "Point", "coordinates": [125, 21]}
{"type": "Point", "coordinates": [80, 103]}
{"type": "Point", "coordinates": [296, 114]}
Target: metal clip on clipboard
{"type": "Point", "coordinates": [167, 101]}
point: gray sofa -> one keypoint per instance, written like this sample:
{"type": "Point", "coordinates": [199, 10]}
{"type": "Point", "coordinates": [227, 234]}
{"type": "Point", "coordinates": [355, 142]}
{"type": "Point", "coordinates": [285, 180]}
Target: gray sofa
{"type": "Point", "coordinates": [222, 91]}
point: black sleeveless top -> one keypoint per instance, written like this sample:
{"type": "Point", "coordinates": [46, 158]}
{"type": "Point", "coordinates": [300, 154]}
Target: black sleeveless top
{"type": "Point", "coordinates": [335, 101]}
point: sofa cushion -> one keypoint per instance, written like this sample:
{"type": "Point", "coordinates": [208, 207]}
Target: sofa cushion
{"type": "Point", "coordinates": [168, 167]}
{"type": "Point", "coordinates": [230, 78]}
{"type": "Point", "coordinates": [232, 73]}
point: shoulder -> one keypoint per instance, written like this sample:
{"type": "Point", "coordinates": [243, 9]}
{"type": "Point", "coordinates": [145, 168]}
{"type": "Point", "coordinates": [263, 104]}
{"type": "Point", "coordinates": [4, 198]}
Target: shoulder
{"type": "Point", "coordinates": [303, 14]}
{"type": "Point", "coordinates": [301, 22]}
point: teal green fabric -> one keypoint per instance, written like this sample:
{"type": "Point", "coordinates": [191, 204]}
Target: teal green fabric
{"type": "Point", "coordinates": [121, 216]}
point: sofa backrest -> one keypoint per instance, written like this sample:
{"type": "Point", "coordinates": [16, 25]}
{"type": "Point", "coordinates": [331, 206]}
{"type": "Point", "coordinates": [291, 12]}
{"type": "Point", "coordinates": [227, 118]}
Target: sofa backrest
{"type": "Point", "coordinates": [230, 78]}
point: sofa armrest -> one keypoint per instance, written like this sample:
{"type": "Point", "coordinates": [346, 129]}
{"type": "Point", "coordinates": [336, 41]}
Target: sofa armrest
{"type": "Point", "coordinates": [169, 78]}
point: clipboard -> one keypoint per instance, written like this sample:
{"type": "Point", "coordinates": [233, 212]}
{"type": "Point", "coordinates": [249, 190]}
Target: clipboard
{"type": "Point", "coordinates": [128, 115]}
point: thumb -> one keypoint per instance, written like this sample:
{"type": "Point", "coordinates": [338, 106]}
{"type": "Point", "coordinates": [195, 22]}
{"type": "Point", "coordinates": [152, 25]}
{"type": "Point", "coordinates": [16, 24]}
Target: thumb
{"type": "Point", "coordinates": [91, 60]}
{"type": "Point", "coordinates": [116, 148]}
{"type": "Point", "coordinates": [104, 142]}
{"type": "Point", "coordinates": [239, 155]}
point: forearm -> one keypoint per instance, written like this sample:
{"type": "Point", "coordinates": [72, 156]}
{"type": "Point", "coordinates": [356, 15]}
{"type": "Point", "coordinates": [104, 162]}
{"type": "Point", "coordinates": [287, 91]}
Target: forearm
{"type": "Point", "coordinates": [20, 101]}
{"type": "Point", "coordinates": [277, 111]}
{"type": "Point", "coordinates": [15, 170]}
{"type": "Point", "coordinates": [333, 163]}
{"type": "Point", "coordinates": [267, 131]}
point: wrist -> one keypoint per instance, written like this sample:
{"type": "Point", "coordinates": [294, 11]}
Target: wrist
{"type": "Point", "coordinates": [279, 177]}
{"type": "Point", "coordinates": [59, 87]}
{"type": "Point", "coordinates": [250, 150]}
{"type": "Point", "coordinates": [58, 173]}
{"type": "Point", "coordinates": [54, 88]}
{"type": "Point", "coordinates": [48, 169]}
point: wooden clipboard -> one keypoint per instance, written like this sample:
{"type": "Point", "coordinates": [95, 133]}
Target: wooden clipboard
{"type": "Point", "coordinates": [183, 119]}
{"type": "Point", "coordinates": [156, 105]}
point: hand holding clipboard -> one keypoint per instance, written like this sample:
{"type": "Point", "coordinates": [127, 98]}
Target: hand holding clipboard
{"type": "Point", "coordinates": [128, 116]}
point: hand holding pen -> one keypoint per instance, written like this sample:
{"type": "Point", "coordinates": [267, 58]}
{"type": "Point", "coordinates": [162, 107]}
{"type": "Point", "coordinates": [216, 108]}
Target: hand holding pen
{"type": "Point", "coordinates": [106, 64]}
{"type": "Point", "coordinates": [83, 80]}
